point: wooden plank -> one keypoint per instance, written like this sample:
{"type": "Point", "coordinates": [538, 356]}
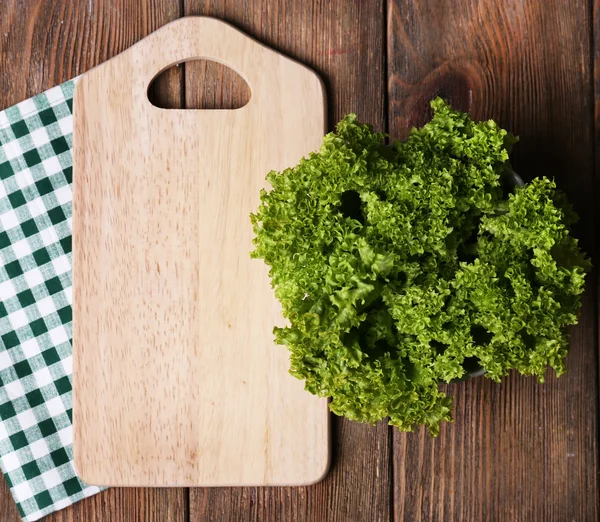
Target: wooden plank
{"type": "Point", "coordinates": [43, 44]}
{"type": "Point", "coordinates": [344, 43]}
{"type": "Point", "coordinates": [518, 450]}
{"type": "Point", "coordinates": [8, 508]}
{"type": "Point", "coordinates": [214, 86]}
{"type": "Point", "coordinates": [135, 504]}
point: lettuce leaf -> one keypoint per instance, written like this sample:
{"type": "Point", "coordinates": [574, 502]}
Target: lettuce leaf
{"type": "Point", "coordinates": [398, 265]}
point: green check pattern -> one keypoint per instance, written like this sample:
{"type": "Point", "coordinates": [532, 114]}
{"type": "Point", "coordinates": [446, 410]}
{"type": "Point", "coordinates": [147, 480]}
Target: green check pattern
{"type": "Point", "coordinates": [36, 433]}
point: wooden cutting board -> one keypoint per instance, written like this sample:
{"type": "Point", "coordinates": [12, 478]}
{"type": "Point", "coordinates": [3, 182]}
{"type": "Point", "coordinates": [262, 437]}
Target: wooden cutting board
{"type": "Point", "coordinates": [177, 380]}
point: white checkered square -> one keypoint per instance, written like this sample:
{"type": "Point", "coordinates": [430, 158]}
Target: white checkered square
{"type": "Point", "coordinates": [30, 348]}
{"type": "Point", "coordinates": [26, 108]}
{"type": "Point", "coordinates": [69, 294]}
{"type": "Point", "coordinates": [34, 277]}
{"type": "Point", "coordinates": [7, 290]}
{"type": "Point", "coordinates": [26, 419]}
{"type": "Point", "coordinates": [55, 406]}
{"type": "Point", "coordinates": [36, 207]}
{"type": "Point", "coordinates": [10, 462]}
{"type": "Point", "coordinates": [24, 178]}
{"type": "Point", "coordinates": [5, 360]}
{"type": "Point", "coordinates": [66, 125]}
{"type": "Point", "coordinates": [59, 335]}
{"type": "Point", "coordinates": [22, 491]}
{"type": "Point", "coordinates": [4, 121]}
{"type": "Point", "coordinates": [18, 319]}
{"type": "Point", "coordinates": [51, 166]}
{"type": "Point", "coordinates": [9, 220]}
{"type": "Point", "coordinates": [67, 363]}
{"type": "Point", "coordinates": [12, 150]}
{"type": "Point", "coordinates": [62, 265]}
{"type": "Point", "coordinates": [51, 478]}
{"type": "Point", "coordinates": [66, 436]}
{"type": "Point", "coordinates": [42, 377]}
{"type": "Point", "coordinates": [21, 248]}
{"type": "Point", "coordinates": [54, 95]}
{"type": "Point", "coordinates": [48, 236]}
{"type": "Point", "coordinates": [63, 503]}
{"type": "Point", "coordinates": [36, 515]}
{"type": "Point", "coordinates": [14, 389]}
{"type": "Point", "coordinates": [46, 306]}
{"type": "Point", "coordinates": [39, 449]}
{"type": "Point", "coordinates": [64, 194]}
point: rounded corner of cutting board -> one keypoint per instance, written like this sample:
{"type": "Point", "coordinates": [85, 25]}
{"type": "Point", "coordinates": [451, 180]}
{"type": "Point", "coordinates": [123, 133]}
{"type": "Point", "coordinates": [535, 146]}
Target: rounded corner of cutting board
{"type": "Point", "coordinates": [84, 472]}
{"type": "Point", "coordinates": [312, 476]}
{"type": "Point", "coordinates": [314, 89]}
{"type": "Point", "coordinates": [81, 85]}
{"type": "Point", "coordinates": [320, 465]}
{"type": "Point", "coordinates": [318, 474]}
{"type": "Point", "coordinates": [312, 480]}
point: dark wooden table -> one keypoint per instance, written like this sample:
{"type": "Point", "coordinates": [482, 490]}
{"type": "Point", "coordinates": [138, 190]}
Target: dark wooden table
{"type": "Point", "coordinates": [518, 451]}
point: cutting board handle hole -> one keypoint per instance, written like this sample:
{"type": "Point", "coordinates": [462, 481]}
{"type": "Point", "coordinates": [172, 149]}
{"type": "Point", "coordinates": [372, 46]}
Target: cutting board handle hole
{"type": "Point", "coordinates": [199, 84]}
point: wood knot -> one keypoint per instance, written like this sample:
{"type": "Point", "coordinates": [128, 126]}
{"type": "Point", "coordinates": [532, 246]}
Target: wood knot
{"type": "Point", "coordinates": [446, 82]}
{"type": "Point", "coordinates": [455, 82]}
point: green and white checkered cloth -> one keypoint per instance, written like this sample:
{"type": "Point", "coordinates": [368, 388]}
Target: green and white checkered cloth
{"type": "Point", "coordinates": [36, 433]}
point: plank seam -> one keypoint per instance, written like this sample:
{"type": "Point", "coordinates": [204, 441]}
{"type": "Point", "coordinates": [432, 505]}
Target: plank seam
{"type": "Point", "coordinates": [596, 191]}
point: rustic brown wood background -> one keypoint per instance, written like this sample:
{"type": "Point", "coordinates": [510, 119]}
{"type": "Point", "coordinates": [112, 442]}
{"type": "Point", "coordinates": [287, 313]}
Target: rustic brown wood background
{"type": "Point", "coordinates": [518, 451]}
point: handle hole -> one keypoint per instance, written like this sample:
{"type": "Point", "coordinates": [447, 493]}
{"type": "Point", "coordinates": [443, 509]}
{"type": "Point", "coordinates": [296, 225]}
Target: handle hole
{"type": "Point", "coordinates": [199, 84]}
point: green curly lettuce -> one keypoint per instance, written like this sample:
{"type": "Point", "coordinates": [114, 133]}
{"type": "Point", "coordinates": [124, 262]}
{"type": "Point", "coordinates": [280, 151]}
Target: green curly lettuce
{"type": "Point", "coordinates": [397, 266]}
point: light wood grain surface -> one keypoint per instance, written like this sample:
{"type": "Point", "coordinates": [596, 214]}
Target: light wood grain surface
{"type": "Point", "coordinates": [177, 380]}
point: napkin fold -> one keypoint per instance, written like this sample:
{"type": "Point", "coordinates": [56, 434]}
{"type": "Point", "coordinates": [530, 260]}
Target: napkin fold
{"type": "Point", "coordinates": [36, 432]}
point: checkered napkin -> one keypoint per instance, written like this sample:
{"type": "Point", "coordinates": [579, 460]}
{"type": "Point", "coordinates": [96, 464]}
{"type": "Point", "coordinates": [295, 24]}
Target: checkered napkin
{"type": "Point", "coordinates": [36, 434]}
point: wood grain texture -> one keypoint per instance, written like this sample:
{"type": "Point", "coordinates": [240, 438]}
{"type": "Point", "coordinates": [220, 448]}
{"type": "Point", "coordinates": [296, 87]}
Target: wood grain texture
{"type": "Point", "coordinates": [519, 450]}
{"type": "Point", "coordinates": [43, 44]}
{"type": "Point", "coordinates": [532, 54]}
{"type": "Point", "coordinates": [344, 43]}
{"type": "Point", "coordinates": [214, 86]}
{"type": "Point", "coordinates": [8, 508]}
{"type": "Point", "coordinates": [46, 43]}
{"type": "Point", "coordinates": [128, 504]}
{"type": "Point", "coordinates": [176, 375]}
